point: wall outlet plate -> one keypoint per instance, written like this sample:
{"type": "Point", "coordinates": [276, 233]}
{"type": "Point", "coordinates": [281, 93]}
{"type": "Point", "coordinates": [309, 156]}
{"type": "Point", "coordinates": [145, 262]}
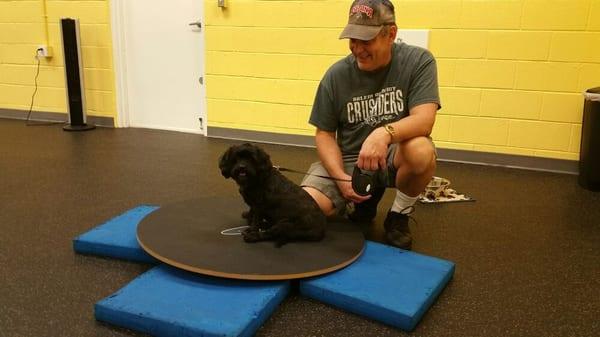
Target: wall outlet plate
{"type": "Point", "coordinates": [43, 51]}
{"type": "Point", "coordinates": [415, 37]}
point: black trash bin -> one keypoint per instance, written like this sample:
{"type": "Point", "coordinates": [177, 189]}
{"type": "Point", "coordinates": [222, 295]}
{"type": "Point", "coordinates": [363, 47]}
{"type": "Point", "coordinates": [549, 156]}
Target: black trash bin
{"type": "Point", "coordinates": [589, 152]}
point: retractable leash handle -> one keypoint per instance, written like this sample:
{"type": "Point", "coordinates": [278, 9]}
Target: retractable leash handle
{"type": "Point", "coordinates": [362, 183]}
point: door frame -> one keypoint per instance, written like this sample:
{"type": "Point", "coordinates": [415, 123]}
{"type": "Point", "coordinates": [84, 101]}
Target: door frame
{"type": "Point", "coordinates": [119, 44]}
{"type": "Point", "coordinates": [119, 47]}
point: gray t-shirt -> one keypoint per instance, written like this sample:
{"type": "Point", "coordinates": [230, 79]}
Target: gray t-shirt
{"type": "Point", "coordinates": [354, 102]}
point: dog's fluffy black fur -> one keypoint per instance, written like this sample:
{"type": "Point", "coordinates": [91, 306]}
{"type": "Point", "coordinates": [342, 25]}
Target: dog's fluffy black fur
{"type": "Point", "coordinates": [280, 210]}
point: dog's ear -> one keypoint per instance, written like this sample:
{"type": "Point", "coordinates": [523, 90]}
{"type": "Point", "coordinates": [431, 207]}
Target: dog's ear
{"type": "Point", "coordinates": [263, 159]}
{"type": "Point", "coordinates": [225, 162]}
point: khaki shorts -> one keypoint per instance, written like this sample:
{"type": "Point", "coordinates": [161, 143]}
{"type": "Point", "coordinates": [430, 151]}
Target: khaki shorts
{"type": "Point", "coordinates": [329, 187]}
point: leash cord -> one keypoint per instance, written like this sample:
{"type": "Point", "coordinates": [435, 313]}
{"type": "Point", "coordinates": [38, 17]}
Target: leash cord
{"type": "Point", "coordinates": [283, 169]}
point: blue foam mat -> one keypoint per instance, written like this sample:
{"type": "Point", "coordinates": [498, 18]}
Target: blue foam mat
{"type": "Point", "coordinates": [116, 237]}
{"type": "Point", "coordinates": [169, 302]}
{"type": "Point", "coordinates": [386, 284]}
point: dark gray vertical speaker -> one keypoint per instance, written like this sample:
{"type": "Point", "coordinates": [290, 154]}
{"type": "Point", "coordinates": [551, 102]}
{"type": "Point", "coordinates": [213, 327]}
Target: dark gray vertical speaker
{"type": "Point", "coordinates": [69, 29]}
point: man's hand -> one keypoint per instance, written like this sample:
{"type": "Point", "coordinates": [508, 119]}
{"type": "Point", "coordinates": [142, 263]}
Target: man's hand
{"type": "Point", "coordinates": [348, 192]}
{"type": "Point", "coordinates": [373, 153]}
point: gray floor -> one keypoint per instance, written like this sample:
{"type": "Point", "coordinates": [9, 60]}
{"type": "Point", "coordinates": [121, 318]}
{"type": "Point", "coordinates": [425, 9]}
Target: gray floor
{"type": "Point", "coordinates": [527, 252]}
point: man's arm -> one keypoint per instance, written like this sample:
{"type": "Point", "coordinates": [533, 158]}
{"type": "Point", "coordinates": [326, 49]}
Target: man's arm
{"type": "Point", "coordinates": [419, 122]}
{"type": "Point", "coordinates": [331, 157]}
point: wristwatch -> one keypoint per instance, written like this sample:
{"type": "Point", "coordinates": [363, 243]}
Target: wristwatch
{"type": "Point", "coordinates": [390, 129]}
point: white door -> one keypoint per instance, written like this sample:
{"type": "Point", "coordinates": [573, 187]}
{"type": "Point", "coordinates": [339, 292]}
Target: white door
{"type": "Point", "coordinates": [162, 53]}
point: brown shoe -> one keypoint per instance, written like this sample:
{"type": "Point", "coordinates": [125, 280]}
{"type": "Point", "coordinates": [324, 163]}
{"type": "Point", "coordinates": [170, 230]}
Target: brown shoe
{"type": "Point", "coordinates": [397, 232]}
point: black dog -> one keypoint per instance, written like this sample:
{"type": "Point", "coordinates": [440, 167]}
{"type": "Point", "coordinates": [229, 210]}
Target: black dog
{"type": "Point", "coordinates": [279, 209]}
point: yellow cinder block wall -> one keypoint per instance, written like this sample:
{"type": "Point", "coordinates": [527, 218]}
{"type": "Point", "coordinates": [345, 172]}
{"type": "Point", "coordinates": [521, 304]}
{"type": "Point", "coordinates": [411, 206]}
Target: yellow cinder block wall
{"type": "Point", "coordinates": [511, 72]}
{"type": "Point", "coordinates": [264, 60]}
{"type": "Point", "coordinates": [24, 25]}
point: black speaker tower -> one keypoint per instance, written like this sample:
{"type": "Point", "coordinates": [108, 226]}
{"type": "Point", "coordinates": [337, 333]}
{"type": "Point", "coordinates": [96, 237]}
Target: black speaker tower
{"type": "Point", "coordinates": [74, 76]}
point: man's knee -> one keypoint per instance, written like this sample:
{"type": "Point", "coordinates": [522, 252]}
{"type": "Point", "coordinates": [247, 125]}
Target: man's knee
{"type": "Point", "coordinates": [325, 204]}
{"type": "Point", "coordinates": [419, 154]}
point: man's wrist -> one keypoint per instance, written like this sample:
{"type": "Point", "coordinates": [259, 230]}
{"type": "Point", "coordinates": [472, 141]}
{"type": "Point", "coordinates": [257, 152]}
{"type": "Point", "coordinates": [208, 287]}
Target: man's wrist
{"type": "Point", "coordinates": [389, 129]}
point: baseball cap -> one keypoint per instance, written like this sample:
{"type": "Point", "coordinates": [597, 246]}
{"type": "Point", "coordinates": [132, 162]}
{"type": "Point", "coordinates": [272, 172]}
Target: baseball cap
{"type": "Point", "coordinates": [366, 18]}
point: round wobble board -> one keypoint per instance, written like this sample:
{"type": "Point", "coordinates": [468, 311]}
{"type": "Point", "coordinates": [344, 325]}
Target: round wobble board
{"type": "Point", "coordinates": [196, 235]}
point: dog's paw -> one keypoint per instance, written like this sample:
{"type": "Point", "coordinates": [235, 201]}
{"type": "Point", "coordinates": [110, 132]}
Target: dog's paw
{"type": "Point", "coordinates": [251, 235]}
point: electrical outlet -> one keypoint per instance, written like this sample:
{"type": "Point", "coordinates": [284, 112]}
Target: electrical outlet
{"type": "Point", "coordinates": [43, 51]}
{"type": "Point", "coordinates": [221, 3]}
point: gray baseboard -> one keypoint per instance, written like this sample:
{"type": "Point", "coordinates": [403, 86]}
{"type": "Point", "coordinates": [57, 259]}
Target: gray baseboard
{"type": "Point", "coordinates": [43, 116]}
{"type": "Point", "coordinates": [449, 155]}
{"type": "Point", "coordinates": [509, 160]}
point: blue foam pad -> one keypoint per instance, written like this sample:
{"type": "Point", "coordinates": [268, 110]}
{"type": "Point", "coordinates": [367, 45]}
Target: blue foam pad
{"type": "Point", "coordinates": [169, 302]}
{"type": "Point", "coordinates": [385, 283]}
{"type": "Point", "coordinates": [116, 237]}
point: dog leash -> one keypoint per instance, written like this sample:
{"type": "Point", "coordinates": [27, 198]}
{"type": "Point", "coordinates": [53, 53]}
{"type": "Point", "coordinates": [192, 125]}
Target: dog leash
{"type": "Point", "coordinates": [283, 169]}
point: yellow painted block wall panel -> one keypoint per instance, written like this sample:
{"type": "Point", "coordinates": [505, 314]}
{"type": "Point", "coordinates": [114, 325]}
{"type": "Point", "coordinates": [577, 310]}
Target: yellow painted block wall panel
{"type": "Point", "coordinates": [283, 116]}
{"type": "Point", "coordinates": [446, 72]}
{"type": "Point", "coordinates": [98, 79]}
{"type": "Point", "coordinates": [485, 74]}
{"type": "Point", "coordinates": [511, 104]}
{"type": "Point", "coordinates": [589, 77]}
{"type": "Point", "coordinates": [21, 33]}
{"type": "Point", "coordinates": [460, 101]}
{"type": "Point", "coordinates": [459, 43]}
{"type": "Point", "coordinates": [23, 54]}
{"type": "Point", "coordinates": [285, 66]}
{"type": "Point", "coordinates": [454, 145]}
{"type": "Point", "coordinates": [594, 20]}
{"type": "Point", "coordinates": [23, 27]}
{"type": "Point", "coordinates": [92, 35]}
{"type": "Point", "coordinates": [488, 131]}
{"type": "Point", "coordinates": [503, 149]}
{"type": "Point", "coordinates": [575, 47]}
{"type": "Point", "coordinates": [297, 14]}
{"type": "Point", "coordinates": [560, 107]}
{"type": "Point", "coordinates": [100, 102]}
{"type": "Point", "coordinates": [51, 99]}
{"type": "Point", "coordinates": [490, 14]}
{"type": "Point", "coordinates": [88, 12]}
{"type": "Point", "coordinates": [289, 40]}
{"type": "Point", "coordinates": [500, 63]}
{"type": "Point", "coordinates": [519, 45]}
{"type": "Point", "coordinates": [441, 129]}
{"type": "Point", "coordinates": [555, 14]}
{"type": "Point", "coordinates": [260, 89]}
{"type": "Point", "coordinates": [427, 13]}
{"type": "Point", "coordinates": [540, 135]}
{"type": "Point", "coordinates": [21, 11]}
{"type": "Point", "coordinates": [96, 57]}
{"type": "Point", "coordinates": [25, 74]}
{"type": "Point", "coordinates": [493, 57]}
{"type": "Point", "coordinates": [575, 142]}
{"type": "Point", "coordinates": [548, 76]}
{"type": "Point", "coordinates": [15, 95]}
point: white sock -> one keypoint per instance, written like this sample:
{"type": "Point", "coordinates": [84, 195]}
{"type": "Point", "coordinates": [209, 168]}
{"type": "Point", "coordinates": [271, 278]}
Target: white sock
{"type": "Point", "coordinates": [403, 201]}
